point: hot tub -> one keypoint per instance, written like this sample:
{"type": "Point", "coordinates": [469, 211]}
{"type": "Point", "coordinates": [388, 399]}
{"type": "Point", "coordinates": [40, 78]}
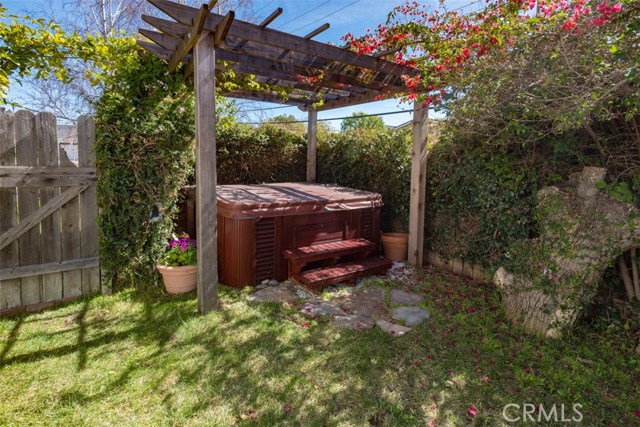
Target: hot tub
{"type": "Point", "coordinates": [256, 223]}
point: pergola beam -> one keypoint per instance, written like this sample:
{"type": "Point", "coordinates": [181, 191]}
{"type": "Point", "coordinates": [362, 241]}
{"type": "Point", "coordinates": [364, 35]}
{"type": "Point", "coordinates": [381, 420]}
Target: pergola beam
{"type": "Point", "coordinates": [270, 37]}
{"type": "Point", "coordinates": [189, 41]}
{"type": "Point", "coordinates": [286, 57]}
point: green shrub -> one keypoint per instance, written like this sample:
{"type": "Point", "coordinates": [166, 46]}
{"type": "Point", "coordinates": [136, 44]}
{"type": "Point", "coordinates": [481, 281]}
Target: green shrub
{"type": "Point", "coordinates": [144, 154]}
{"type": "Point", "coordinates": [374, 160]}
{"type": "Point", "coordinates": [249, 155]}
{"type": "Point", "coordinates": [478, 203]}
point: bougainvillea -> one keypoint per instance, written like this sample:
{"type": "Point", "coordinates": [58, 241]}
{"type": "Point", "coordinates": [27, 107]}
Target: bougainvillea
{"type": "Point", "coordinates": [443, 43]}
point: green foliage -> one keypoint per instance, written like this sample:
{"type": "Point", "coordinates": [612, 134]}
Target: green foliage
{"type": "Point", "coordinates": [32, 46]}
{"type": "Point", "coordinates": [360, 121]}
{"type": "Point", "coordinates": [144, 154]}
{"type": "Point", "coordinates": [618, 190]}
{"type": "Point", "coordinates": [374, 160]}
{"type": "Point", "coordinates": [181, 252]}
{"type": "Point", "coordinates": [268, 153]}
{"type": "Point", "coordinates": [478, 203]}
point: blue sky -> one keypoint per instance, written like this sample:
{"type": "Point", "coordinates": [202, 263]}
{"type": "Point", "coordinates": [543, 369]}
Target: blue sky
{"type": "Point", "coordinates": [300, 17]}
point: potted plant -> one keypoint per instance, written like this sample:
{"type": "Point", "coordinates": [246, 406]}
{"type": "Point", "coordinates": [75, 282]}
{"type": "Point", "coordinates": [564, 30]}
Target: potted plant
{"type": "Point", "coordinates": [178, 266]}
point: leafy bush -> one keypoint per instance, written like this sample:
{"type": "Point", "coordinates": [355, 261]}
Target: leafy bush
{"type": "Point", "coordinates": [249, 155]}
{"type": "Point", "coordinates": [478, 203]}
{"type": "Point", "coordinates": [374, 160]}
{"type": "Point", "coordinates": [144, 154]}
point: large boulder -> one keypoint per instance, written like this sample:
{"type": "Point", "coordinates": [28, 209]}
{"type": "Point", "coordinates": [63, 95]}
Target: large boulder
{"type": "Point", "coordinates": [548, 281]}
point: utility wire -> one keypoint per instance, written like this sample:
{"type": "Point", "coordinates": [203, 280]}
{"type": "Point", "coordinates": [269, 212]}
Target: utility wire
{"type": "Point", "coordinates": [388, 113]}
{"type": "Point", "coordinates": [265, 109]}
{"type": "Point", "coordinates": [326, 16]}
{"type": "Point", "coordinates": [263, 7]}
{"type": "Point", "coordinates": [303, 14]}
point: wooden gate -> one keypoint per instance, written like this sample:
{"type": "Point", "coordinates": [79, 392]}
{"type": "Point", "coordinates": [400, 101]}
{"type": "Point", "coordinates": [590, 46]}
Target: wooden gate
{"type": "Point", "coordinates": [48, 229]}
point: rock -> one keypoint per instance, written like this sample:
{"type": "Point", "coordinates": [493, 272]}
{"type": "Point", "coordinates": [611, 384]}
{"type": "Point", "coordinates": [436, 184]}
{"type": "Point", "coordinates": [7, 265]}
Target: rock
{"type": "Point", "coordinates": [410, 315]}
{"type": "Point", "coordinates": [273, 282]}
{"type": "Point", "coordinates": [392, 328]}
{"type": "Point", "coordinates": [582, 231]}
{"type": "Point", "coordinates": [368, 302]}
{"type": "Point", "coordinates": [265, 282]}
{"type": "Point", "coordinates": [402, 297]}
{"type": "Point", "coordinates": [353, 321]}
{"type": "Point", "coordinates": [261, 286]}
{"type": "Point", "coordinates": [284, 292]}
{"type": "Point", "coordinates": [302, 294]}
{"type": "Point", "coordinates": [318, 307]}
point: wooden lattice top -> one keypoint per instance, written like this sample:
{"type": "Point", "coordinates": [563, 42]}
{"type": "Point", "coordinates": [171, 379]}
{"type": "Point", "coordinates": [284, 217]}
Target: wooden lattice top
{"type": "Point", "coordinates": [309, 70]}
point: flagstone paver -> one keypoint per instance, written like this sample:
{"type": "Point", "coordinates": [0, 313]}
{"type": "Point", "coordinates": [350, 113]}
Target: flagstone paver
{"type": "Point", "coordinates": [410, 315]}
{"type": "Point", "coordinates": [392, 328]}
{"type": "Point", "coordinates": [318, 307]}
{"type": "Point", "coordinates": [284, 292]}
{"type": "Point", "coordinates": [369, 302]}
{"type": "Point", "coordinates": [354, 321]}
{"type": "Point", "coordinates": [402, 297]}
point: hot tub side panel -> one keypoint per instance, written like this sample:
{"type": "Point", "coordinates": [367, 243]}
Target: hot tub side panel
{"type": "Point", "coordinates": [236, 251]}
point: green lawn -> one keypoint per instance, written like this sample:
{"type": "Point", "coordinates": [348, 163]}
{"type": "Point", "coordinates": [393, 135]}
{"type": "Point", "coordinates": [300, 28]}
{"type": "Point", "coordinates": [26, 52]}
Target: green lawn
{"type": "Point", "coordinates": [136, 359]}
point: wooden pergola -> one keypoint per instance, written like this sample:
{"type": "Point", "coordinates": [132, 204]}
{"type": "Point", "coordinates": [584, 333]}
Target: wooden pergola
{"type": "Point", "coordinates": [304, 70]}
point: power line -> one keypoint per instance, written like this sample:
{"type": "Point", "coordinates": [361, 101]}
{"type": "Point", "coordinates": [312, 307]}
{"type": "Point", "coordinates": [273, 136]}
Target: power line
{"type": "Point", "coordinates": [326, 16]}
{"type": "Point", "coordinates": [262, 8]}
{"type": "Point", "coordinates": [303, 14]}
{"type": "Point", "coordinates": [267, 108]}
{"type": "Point", "coordinates": [388, 113]}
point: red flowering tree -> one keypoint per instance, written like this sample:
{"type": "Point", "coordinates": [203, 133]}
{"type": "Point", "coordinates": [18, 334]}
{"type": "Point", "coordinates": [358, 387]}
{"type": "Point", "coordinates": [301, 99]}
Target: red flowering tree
{"type": "Point", "coordinates": [447, 45]}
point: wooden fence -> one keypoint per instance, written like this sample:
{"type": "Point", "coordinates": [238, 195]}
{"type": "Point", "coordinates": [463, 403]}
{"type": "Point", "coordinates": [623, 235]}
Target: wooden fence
{"type": "Point", "coordinates": [48, 229]}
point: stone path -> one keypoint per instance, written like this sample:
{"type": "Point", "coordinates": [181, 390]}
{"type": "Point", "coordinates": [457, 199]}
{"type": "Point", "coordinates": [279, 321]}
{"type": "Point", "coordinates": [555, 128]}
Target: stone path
{"type": "Point", "coordinates": [354, 308]}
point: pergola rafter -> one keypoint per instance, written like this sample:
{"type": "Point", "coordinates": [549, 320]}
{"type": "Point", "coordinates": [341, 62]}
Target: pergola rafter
{"type": "Point", "coordinates": [292, 70]}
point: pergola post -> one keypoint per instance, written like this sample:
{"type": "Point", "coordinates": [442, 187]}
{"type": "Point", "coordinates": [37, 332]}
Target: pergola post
{"type": "Point", "coordinates": [207, 235]}
{"type": "Point", "coordinates": [312, 142]}
{"type": "Point", "coordinates": [418, 185]}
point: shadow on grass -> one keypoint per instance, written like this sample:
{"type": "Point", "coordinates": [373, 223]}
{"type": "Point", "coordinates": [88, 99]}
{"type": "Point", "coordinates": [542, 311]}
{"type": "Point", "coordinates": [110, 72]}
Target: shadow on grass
{"type": "Point", "coordinates": [256, 363]}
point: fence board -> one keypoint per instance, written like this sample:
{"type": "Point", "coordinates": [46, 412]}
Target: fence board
{"type": "Point", "coordinates": [50, 226]}
{"type": "Point", "coordinates": [9, 289]}
{"type": "Point", "coordinates": [28, 202]}
{"type": "Point", "coordinates": [70, 215]}
{"type": "Point", "coordinates": [88, 205]}
{"type": "Point", "coordinates": [54, 267]}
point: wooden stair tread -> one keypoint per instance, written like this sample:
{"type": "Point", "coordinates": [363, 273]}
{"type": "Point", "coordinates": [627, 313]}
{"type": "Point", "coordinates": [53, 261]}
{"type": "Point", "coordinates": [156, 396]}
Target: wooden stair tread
{"type": "Point", "coordinates": [325, 276]}
{"type": "Point", "coordinates": [329, 250]}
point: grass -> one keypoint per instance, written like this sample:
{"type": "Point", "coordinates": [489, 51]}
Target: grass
{"type": "Point", "coordinates": [135, 359]}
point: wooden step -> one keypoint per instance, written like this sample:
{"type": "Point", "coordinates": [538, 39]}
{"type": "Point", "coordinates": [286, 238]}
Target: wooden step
{"type": "Point", "coordinates": [300, 257]}
{"type": "Point", "coordinates": [348, 272]}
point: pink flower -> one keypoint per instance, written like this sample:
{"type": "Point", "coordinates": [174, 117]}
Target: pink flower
{"type": "Point", "coordinates": [305, 325]}
{"type": "Point", "coordinates": [434, 405]}
{"type": "Point", "coordinates": [472, 411]}
{"type": "Point", "coordinates": [617, 7]}
{"type": "Point", "coordinates": [485, 378]}
{"type": "Point", "coordinates": [287, 408]}
{"type": "Point", "coordinates": [308, 309]}
{"type": "Point", "coordinates": [570, 24]}
{"type": "Point", "coordinates": [472, 310]}
{"type": "Point", "coordinates": [449, 372]}
{"type": "Point", "coordinates": [636, 413]}
{"type": "Point", "coordinates": [432, 423]}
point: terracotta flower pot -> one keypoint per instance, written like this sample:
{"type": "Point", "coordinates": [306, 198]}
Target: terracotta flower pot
{"type": "Point", "coordinates": [395, 246]}
{"type": "Point", "coordinates": [179, 280]}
